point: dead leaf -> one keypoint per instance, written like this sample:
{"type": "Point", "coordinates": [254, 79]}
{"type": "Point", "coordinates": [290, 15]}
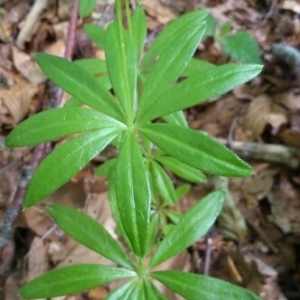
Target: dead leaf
{"type": "Point", "coordinates": [27, 67]}
{"type": "Point", "coordinates": [17, 99]}
{"type": "Point", "coordinates": [37, 259]}
{"type": "Point", "coordinates": [98, 293]}
{"type": "Point", "coordinates": [291, 5]}
{"type": "Point", "coordinates": [162, 13]}
{"type": "Point", "coordinates": [257, 114]}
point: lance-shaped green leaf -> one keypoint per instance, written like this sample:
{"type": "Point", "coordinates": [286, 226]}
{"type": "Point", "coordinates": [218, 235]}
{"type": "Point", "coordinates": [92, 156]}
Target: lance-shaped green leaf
{"type": "Point", "coordinates": [171, 62]}
{"type": "Point", "coordinates": [174, 216]}
{"type": "Point", "coordinates": [165, 38]}
{"type": "Point", "coordinates": [196, 149]}
{"type": "Point", "coordinates": [114, 204]}
{"type": "Point", "coordinates": [139, 30]}
{"type": "Point", "coordinates": [122, 67]}
{"type": "Point", "coordinates": [72, 279]}
{"type": "Point", "coordinates": [57, 123]}
{"type": "Point", "coordinates": [73, 102]}
{"type": "Point", "coordinates": [78, 83]}
{"type": "Point", "coordinates": [103, 170]}
{"type": "Point", "coordinates": [182, 190]}
{"type": "Point", "coordinates": [123, 292]}
{"type": "Point", "coordinates": [65, 161]}
{"type": "Point", "coordinates": [138, 293]}
{"type": "Point", "coordinates": [194, 286]}
{"type": "Point", "coordinates": [96, 34]}
{"type": "Point", "coordinates": [96, 67]}
{"type": "Point", "coordinates": [152, 232]}
{"type": "Point", "coordinates": [92, 65]}
{"type": "Point", "coordinates": [181, 169]}
{"type": "Point", "coordinates": [176, 118]}
{"type": "Point", "coordinates": [192, 226]}
{"type": "Point", "coordinates": [89, 232]}
{"type": "Point", "coordinates": [133, 194]}
{"type": "Point", "coordinates": [197, 89]}
{"type": "Point", "coordinates": [163, 183]}
{"type": "Point", "coordinates": [86, 7]}
{"type": "Point", "coordinates": [152, 292]}
{"type": "Point", "coordinates": [197, 66]}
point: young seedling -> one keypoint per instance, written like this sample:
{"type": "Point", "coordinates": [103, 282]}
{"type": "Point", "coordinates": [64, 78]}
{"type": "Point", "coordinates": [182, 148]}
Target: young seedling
{"type": "Point", "coordinates": [144, 91]}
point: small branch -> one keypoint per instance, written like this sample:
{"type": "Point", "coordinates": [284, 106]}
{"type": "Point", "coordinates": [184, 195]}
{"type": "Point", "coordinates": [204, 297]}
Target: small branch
{"type": "Point", "coordinates": [266, 152]}
{"type": "Point", "coordinates": [208, 253]}
{"type": "Point", "coordinates": [32, 17]}
{"type": "Point", "coordinates": [70, 46]}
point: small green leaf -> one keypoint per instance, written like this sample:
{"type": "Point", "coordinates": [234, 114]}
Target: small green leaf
{"type": "Point", "coordinates": [181, 169]}
{"type": "Point", "coordinates": [72, 102]}
{"type": "Point", "coordinates": [152, 233]}
{"type": "Point", "coordinates": [86, 7]}
{"type": "Point", "coordinates": [176, 118]}
{"type": "Point", "coordinates": [163, 183]}
{"type": "Point", "coordinates": [166, 37]}
{"type": "Point", "coordinates": [197, 66]}
{"type": "Point", "coordinates": [97, 68]}
{"type": "Point", "coordinates": [194, 286]}
{"type": "Point", "coordinates": [211, 25]}
{"type": "Point", "coordinates": [57, 123]}
{"type": "Point", "coordinates": [78, 83]}
{"type": "Point", "coordinates": [192, 226]}
{"type": "Point", "coordinates": [89, 232]}
{"type": "Point", "coordinates": [138, 293]}
{"type": "Point", "coordinates": [122, 67]}
{"type": "Point", "coordinates": [133, 194]}
{"type": "Point", "coordinates": [123, 292]}
{"type": "Point", "coordinates": [199, 88]}
{"type": "Point", "coordinates": [196, 149]}
{"type": "Point", "coordinates": [171, 62]}
{"type": "Point", "coordinates": [114, 204]}
{"type": "Point", "coordinates": [152, 292]}
{"type": "Point", "coordinates": [96, 34]}
{"type": "Point", "coordinates": [72, 279]}
{"type": "Point", "coordinates": [224, 30]}
{"type": "Point", "coordinates": [242, 46]}
{"type": "Point", "coordinates": [182, 191]}
{"type": "Point", "coordinates": [174, 216]}
{"type": "Point", "coordinates": [64, 162]}
{"type": "Point", "coordinates": [92, 65]}
{"type": "Point", "coordinates": [103, 170]}
{"type": "Point", "coordinates": [139, 30]}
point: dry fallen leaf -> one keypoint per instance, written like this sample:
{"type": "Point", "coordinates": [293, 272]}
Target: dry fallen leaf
{"type": "Point", "coordinates": [17, 99]}
{"type": "Point", "coordinates": [162, 13]}
{"type": "Point", "coordinates": [37, 259]}
{"type": "Point", "coordinates": [256, 116]}
{"type": "Point", "coordinates": [291, 5]}
{"type": "Point", "coordinates": [25, 64]}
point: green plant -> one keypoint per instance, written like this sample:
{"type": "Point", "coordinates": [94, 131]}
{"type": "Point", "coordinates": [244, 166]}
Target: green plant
{"type": "Point", "coordinates": [240, 45]}
{"type": "Point", "coordinates": [144, 91]}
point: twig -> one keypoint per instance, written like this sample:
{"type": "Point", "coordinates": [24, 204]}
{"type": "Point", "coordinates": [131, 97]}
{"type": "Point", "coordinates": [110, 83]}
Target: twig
{"type": "Point", "coordinates": [56, 100]}
{"type": "Point", "coordinates": [267, 152]}
{"type": "Point", "coordinates": [263, 236]}
{"type": "Point", "coordinates": [11, 214]}
{"type": "Point", "coordinates": [208, 252]}
{"type": "Point", "coordinates": [33, 15]}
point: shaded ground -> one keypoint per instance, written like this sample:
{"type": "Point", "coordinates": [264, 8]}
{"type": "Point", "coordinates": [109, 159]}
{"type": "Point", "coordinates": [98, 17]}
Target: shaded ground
{"type": "Point", "coordinates": [256, 241]}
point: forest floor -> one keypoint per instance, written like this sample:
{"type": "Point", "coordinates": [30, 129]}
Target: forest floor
{"type": "Point", "coordinates": [259, 120]}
